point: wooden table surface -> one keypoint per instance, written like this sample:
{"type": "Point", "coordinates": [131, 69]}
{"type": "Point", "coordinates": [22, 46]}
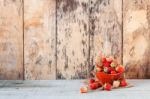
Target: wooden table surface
{"type": "Point", "coordinates": [68, 89]}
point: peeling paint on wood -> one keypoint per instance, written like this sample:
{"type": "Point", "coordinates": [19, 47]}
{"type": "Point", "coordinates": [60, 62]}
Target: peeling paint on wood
{"type": "Point", "coordinates": [106, 28]}
{"type": "Point", "coordinates": [136, 33]}
{"type": "Point", "coordinates": [39, 39]}
{"type": "Point", "coordinates": [72, 39]}
{"type": "Point", "coordinates": [11, 39]}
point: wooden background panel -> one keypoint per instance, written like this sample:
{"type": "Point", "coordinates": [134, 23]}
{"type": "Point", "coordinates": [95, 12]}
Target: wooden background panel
{"type": "Point", "coordinates": [11, 39]}
{"type": "Point", "coordinates": [39, 39]}
{"type": "Point", "coordinates": [72, 39]}
{"type": "Point", "coordinates": [106, 28]}
{"type": "Point", "coordinates": [136, 33]}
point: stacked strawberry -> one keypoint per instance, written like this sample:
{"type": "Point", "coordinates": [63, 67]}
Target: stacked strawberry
{"type": "Point", "coordinates": [107, 65]}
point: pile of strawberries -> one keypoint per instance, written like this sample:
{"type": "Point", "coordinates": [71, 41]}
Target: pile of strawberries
{"type": "Point", "coordinates": [107, 65]}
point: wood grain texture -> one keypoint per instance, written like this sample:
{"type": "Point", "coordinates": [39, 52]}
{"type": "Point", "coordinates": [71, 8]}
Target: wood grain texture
{"type": "Point", "coordinates": [11, 39]}
{"type": "Point", "coordinates": [106, 28]}
{"type": "Point", "coordinates": [39, 39]}
{"type": "Point", "coordinates": [136, 33]}
{"type": "Point", "coordinates": [72, 39]}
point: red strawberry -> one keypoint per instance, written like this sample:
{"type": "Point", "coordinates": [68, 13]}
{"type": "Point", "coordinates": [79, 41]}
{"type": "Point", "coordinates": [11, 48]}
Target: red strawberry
{"type": "Point", "coordinates": [123, 83]}
{"type": "Point", "coordinates": [113, 72]}
{"type": "Point", "coordinates": [93, 86]}
{"type": "Point", "coordinates": [91, 81]}
{"type": "Point", "coordinates": [104, 59]}
{"type": "Point", "coordinates": [98, 83]}
{"type": "Point", "coordinates": [83, 90]}
{"type": "Point", "coordinates": [106, 64]}
{"type": "Point", "coordinates": [107, 86]}
{"type": "Point", "coordinates": [111, 69]}
{"type": "Point", "coordinates": [120, 69]}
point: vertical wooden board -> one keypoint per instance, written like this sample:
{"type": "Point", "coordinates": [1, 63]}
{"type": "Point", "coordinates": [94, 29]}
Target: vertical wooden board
{"type": "Point", "coordinates": [11, 39]}
{"type": "Point", "coordinates": [72, 39]}
{"type": "Point", "coordinates": [136, 33]}
{"type": "Point", "coordinates": [39, 39]}
{"type": "Point", "coordinates": [106, 28]}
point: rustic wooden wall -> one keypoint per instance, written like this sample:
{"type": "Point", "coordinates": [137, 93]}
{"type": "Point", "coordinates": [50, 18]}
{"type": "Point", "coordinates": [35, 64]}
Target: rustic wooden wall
{"type": "Point", "coordinates": [39, 39]}
{"type": "Point", "coordinates": [72, 39]}
{"type": "Point", "coordinates": [136, 34]}
{"type": "Point", "coordinates": [59, 39]}
{"type": "Point", "coordinates": [11, 39]}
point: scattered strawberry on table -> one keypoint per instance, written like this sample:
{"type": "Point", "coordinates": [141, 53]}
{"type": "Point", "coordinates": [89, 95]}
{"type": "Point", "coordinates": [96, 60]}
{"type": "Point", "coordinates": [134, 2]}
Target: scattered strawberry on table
{"type": "Point", "coordinates": [108, 66]}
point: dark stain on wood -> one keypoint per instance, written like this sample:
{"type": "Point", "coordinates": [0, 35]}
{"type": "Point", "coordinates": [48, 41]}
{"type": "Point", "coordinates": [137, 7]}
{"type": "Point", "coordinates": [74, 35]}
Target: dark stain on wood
{"type": "Point", "coordinates": [67, 5]}
{"type": "Point", "coordinates": [85, 6]}
{"type": "Point", "coordinates": [60, 76]}
{"type": "Point", "coordinates": [65, 57]}
{"type": "Point", "coordinates": [39, 60]}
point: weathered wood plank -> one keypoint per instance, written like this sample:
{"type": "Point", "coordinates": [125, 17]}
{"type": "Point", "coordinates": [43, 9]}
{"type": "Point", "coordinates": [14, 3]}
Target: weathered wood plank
{"type": "Point", "coordinates": [106, 28]}
{"type": "Point", "coordinates": [72, 39]}
{"type": "Point", "coordinates": [11, 39]}
{"type": "Point", "coordinates": [39, 38]}
{"type": "Point", "coordinates": [136, 33]}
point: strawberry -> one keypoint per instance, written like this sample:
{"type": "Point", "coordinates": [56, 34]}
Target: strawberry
{"type": "Point", "coordinates": [103, 59]}
{"type": "Point", "coordinates": [106, 64]}
{"type": "Point", "coordinates": [116, 84]}
{"type": "Point", "coordinates": [123, 83]}
{"type": "Point", "coordinates": [98, 61]}
{"type": "Point", "coordinates": [98, 69]}
{"type": "Point", "coordinates": [107, 86]}
{"type": "Point", "coordinates": [113, 64]}
{"type": "Point", "coordinates": [120, 69]}
{"type": "Point", "coordinates": [93, 86]}
{"type": "Point", "coordinates": [113, 72]}
{"type": "Point", "coordinates": [91, 81]}
{"type": "Point", "coordinates": [107, 69]}
{"type": "Point", "coordinates": [98, 83]}
{"type": "Point", "coordinates": [83, 90]}
{"type": "Point", "coordinates": [111, 69]}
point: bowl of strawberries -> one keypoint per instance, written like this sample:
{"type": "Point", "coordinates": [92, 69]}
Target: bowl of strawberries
{"type": "Point", "coordinates": [107, 69]}
{"type": "Point", "coordinates": [108, 74]}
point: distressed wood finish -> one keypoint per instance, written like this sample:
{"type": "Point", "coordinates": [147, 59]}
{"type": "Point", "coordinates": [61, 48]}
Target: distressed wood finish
{"type": "Point", "coordinates": [72, 39]}
{"type": "Point", "coordinates": [106, 28]}
{"type": "Point", "coordinates": [11, 39]}
{"type": "Point", "coordinates": [39, 39]}
{"type": "Point", "coordinates": [136, 33]}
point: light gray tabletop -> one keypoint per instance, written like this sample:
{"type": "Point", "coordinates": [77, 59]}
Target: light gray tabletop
{"type": "Point", "coordinates": [69, 89]}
